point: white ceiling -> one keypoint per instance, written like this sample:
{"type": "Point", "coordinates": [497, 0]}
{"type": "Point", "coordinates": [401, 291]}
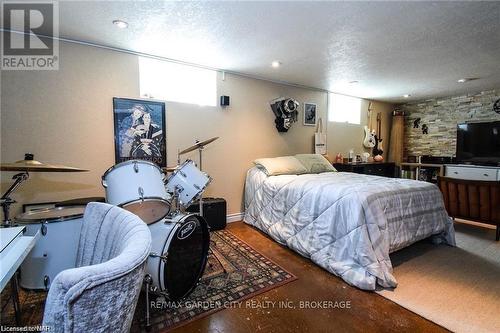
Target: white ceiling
{"type": "Point", "coordinates": [391, 48]}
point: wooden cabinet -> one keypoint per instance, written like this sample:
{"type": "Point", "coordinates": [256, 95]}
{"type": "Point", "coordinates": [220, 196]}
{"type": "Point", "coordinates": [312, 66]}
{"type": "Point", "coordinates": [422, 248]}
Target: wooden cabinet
{"type": "Point", "coordinates": [376, 168]}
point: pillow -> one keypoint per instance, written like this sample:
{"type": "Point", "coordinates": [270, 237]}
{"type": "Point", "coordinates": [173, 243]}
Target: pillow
{"type": "Point", "coordinates": [286, 165]}
{"type": "Point", "coordinates": [315, 163]}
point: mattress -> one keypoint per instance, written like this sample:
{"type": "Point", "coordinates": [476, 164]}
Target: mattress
{"type": "Point", "coordinates": [347, 223]}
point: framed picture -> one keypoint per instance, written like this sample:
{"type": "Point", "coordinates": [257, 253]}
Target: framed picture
{"type": "Point", "coordinates": [310, 114]}
{"type": "Point", "coordinates": [140, 130]}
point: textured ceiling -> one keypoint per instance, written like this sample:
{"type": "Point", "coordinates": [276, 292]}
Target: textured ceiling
{"type": "Point", "coordinates": [391, 48]}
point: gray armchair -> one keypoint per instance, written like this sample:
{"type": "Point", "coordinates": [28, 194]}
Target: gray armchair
{"type": "Point", "coordinates": [101, 294]}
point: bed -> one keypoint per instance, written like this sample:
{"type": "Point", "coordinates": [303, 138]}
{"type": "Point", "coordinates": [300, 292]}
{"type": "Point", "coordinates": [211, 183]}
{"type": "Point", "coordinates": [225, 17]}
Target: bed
{"type": "Point", "coordinates": [347, 223]}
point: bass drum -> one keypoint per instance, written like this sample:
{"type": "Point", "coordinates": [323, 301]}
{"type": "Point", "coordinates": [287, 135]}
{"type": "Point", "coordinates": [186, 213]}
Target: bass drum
{"type": "Point", "coordinates": [179, 254]}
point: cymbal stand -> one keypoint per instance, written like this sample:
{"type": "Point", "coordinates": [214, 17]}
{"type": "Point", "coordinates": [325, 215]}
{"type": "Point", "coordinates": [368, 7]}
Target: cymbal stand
{"type": "Point", "coordinates": [200, 151]}
{"type": "Point", "coordinates": [6, 200]}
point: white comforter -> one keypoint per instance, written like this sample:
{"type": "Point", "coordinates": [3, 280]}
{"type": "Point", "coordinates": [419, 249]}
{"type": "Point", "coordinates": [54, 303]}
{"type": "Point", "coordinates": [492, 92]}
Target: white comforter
{"type": "Point", "coordinates": [347, 223]}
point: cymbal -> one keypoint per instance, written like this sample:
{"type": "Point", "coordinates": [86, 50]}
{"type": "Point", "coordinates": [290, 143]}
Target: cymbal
{"type": "Point", "coordinates": [170, 168]}
{"type": "Point", "coordinates": [198, 145]}
{"type": "Point", "coordinates": [35, 166]}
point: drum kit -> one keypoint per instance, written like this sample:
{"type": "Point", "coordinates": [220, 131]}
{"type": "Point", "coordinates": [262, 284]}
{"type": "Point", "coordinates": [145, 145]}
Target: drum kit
{"type": "Point", "coordinates": [180, 240]}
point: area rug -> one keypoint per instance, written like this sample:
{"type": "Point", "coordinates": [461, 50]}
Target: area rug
{"type": "Point", "coordinates": [455, 287]}
{"type": "Point", "coordinates": [235, 272]}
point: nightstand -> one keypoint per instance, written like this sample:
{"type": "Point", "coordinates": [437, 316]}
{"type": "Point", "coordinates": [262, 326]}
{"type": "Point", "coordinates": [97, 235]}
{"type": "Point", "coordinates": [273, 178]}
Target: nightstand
{"type": "Point", "coordinates": [384, 169]}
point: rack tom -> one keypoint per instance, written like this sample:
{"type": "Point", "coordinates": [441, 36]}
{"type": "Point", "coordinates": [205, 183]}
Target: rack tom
{"type": "Point", "coordinates": [138, 187]}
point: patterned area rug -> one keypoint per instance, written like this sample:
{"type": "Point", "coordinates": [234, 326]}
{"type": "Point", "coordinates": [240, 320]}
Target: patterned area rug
{"type": "Point", "coordinates": [235, 272]}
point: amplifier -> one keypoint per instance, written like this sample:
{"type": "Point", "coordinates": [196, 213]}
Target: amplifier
{"type": "Point", "coordinates": [214, 212]}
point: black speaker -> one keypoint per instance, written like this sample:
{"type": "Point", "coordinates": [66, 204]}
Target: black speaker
{"type": "Point", "coordinates": [224, 100]}
{"type": "Point", "coordinates": [214, 212]}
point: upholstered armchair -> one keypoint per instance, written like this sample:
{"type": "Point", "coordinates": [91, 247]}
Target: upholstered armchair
{"type": "Point", "coordinates": [101, 294]}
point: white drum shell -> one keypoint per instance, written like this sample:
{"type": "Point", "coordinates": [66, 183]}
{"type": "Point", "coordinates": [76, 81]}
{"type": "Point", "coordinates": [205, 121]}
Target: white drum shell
{"type": "Point", "coordinates": [161, 236]}
{"type": "Point", "coordinates": [124, 182]}
{"type": "Point", "coordinates": [190, 180]}
{"type": "Point", "coordinates": [53, 252]}
{"type": "Point", "coordinates": [138, 187]}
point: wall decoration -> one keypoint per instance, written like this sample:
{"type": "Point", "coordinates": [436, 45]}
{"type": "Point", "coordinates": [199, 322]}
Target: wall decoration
{"type": "Point", "coordinates": [416, 123]}
{"type": "Point", "coordinates": [496, 106]}
{"type": "Point", "coordinates": [425, 129]}
{"type": "Point", "coordinates": [285, 111]}
{"type": "Point", "coordinates": [310, 114]}
{"type": "Point", "coordinates": [140, 130]}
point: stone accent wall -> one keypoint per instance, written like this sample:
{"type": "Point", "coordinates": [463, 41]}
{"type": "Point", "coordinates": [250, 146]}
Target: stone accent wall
{"type": "Point", "coordinates": [441, 117]}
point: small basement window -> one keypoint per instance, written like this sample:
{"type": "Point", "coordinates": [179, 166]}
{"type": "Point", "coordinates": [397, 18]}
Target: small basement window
{"type": "Point", "coordinates": [174, 82]}
{"type": "Point", "coordinates": [344, 109]}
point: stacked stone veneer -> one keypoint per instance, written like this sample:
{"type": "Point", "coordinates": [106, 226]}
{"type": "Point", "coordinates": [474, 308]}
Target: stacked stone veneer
{"type": "Point", "coordinates": [441, 116]}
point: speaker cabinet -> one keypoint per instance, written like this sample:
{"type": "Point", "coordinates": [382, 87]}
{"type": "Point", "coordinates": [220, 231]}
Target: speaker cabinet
{"type": "Point", "coordinates": [214, 212]}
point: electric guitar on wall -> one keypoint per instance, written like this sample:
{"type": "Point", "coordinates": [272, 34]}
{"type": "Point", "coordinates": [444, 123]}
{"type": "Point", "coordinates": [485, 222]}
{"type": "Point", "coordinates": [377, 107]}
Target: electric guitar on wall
{"type": "Point", "coordinates": [369, 141]}
{"type": "Point", "coordinates": [378, 149]}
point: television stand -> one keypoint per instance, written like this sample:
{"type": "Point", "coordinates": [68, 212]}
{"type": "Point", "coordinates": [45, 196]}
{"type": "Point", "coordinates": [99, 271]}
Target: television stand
{"type": "Point", "coordinates": [472, 172]}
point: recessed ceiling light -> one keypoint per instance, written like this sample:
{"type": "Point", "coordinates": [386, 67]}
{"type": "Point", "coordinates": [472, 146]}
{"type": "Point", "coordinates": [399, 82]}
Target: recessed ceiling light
{"type": "Point", "coordinates": [462, 80]}
{"type": "Point", "coordinates": [276, 64]}
{"type": "Point", "coordinates": [406, 95]}
{"type": "Point", "coordinates": [120, 24]}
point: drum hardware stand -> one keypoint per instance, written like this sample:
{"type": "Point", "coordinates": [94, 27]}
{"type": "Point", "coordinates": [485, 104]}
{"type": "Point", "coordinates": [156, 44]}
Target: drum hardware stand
{"type": "Point", "coordinates": [148, 281]}
{"type": "Point", "coordinates": [174, 202]}
{"type": "Point", "coordinates": [200, 152]}
{"type": "Point", "coordinates": [15, 298]}
{"type": "Point", "coordinates": [6, 200]}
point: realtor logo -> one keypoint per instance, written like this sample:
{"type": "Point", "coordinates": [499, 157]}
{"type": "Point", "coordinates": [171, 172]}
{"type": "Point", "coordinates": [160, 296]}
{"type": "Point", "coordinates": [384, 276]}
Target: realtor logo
{"type": "Point", "coordinates": [25, 27]}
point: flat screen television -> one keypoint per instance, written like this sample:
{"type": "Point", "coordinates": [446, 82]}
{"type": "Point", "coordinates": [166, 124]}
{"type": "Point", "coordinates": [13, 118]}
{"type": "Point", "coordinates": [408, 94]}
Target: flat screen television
{"type": "Point", "coordinates": [479, 143]}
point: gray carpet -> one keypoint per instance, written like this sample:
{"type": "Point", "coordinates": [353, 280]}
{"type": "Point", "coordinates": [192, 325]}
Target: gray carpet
{"type": "Point", "coordinates": [455, 287]}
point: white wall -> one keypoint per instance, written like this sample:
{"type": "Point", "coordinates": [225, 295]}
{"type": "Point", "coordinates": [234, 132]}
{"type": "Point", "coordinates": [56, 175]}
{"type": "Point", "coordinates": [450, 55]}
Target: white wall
{"type": "Point", "coordinates": [342, 137]}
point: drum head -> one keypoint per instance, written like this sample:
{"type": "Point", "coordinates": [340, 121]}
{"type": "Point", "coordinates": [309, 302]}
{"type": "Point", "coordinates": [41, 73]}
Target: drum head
{"type": "Point", "coordinates": [187, 257]}
{"type": "Point", "coordinates": [56, 214]}
{"type": "Point", "coordinates": [149, 210]}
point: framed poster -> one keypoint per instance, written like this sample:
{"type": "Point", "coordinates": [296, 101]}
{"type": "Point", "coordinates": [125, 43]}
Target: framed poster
{"type": "Point", "coordinates": [309, 114]}
{"type": "Point", "coordinates": [140, 130]}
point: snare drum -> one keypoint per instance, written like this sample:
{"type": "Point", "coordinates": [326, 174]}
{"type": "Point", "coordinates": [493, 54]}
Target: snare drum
{"type": "Point", "coordinates": [138, 187]}
{"type": "Point", "coordinates": [57, 246]}
{"type": "Point", "coordinates": [179, 254]}
{"type": "Point", "coordinates": [189, 182]}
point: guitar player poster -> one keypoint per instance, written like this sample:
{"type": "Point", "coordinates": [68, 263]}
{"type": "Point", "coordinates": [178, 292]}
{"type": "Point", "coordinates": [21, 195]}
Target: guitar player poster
{"type": "Point", "coordinates": [140, 130]}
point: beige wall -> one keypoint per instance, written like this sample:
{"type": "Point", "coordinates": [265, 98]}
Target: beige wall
{"type": "Point", "coordinates": [66, 117]}
{"type": "Point", "coordinates": [342, 136]}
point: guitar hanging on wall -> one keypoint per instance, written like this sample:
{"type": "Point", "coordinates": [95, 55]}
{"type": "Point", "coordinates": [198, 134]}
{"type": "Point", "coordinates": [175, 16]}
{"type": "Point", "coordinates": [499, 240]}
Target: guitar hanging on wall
{"type": "Point", "coordinates": [378, 149]}
{"type": "Point", "coordinates": [369, 141]}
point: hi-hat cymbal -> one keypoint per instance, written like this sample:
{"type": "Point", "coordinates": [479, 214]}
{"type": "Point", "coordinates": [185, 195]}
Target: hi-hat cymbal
{"type": "Point", "coordinates": [35, 166]}
{"type": "Point", "coordinates": [198, 145]}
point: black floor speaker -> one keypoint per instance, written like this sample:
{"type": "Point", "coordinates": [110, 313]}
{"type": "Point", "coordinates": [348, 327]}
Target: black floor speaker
{"type": "Point", "coordinates": [214, 212]}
